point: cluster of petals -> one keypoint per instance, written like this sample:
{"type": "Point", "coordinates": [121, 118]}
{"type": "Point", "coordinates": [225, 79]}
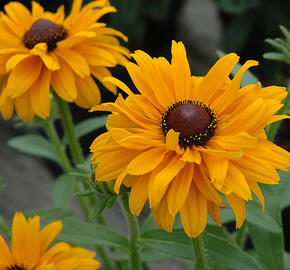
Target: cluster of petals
{"type": "Point", "coordinates": [30, 248]}
{"type": "Point", "coordinates": [189, 180]}
{"type": "Point", "coordinates": [86, 50]}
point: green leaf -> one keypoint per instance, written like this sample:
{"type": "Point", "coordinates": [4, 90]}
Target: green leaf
{"type": "Point", "coordinates": [248, 77]}
{"type": "Point", "coordinates": [287, 260]}
{"type": "Point", "coordinates": [261, 219]}
{"type": "Point", "coordinates": [2, 186]}
{"type": "Point", "coordinates": [283, 189]}
{"type": "Point", "coordinates": [175, 244]}
{"type": "Point", "coordinates": [34, 145]}
{"type": "Point", "coordinates": [87, 234]}
{"type": "Point", "coordinates": [63, 191]}
{"type": "Point", "coordinates": [222, 253]}
{"type": "Point", "coordinates": [49, 214]}
{"type": "Point", "coordinates": [277, 56]}
{"type": "Point", "coordinates": [269, 245]}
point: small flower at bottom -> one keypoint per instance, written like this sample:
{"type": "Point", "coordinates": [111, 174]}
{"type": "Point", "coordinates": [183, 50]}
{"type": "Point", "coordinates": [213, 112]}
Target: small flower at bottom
{"type": "Point", "coordinates": [184, 140]}
{"type": "Point", "coordinates": [40, 49]}
{"type": "Point", "coordinates": [29, 248]}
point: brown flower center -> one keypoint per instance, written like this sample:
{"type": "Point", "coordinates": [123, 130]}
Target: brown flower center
{"type": "Point", "coordinates": [44, 30]}
{"type": "Point", "coordinates": [15, 267]}
{"type": "Point", "coordinates": [195, 121]}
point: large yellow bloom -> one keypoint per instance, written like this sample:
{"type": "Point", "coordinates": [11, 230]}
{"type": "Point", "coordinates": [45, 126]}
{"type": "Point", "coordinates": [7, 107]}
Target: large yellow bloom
{"type": "Point", "coordinates": [184, 140]}
{"type": "Point", "coordinates": [29, 249]}
{"type": "Point", "coordinates": [42, 49]}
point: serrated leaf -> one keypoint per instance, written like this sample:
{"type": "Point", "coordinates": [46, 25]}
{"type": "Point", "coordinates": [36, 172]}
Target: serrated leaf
{"type": "Point", "coordinates": [277, 45]}
{"type": "Point", "coordinates": [285, 32]}
{"type": "Point", "coordinates": [87, 234]}
{"type": "Point", "coordinates": [248, 77]}
{"type": "Point", "coordinates": [34, 145]}
{"type": "Point", "coordinates": [87, 126]}
{"type": "Point", "coordinates": [63, 191]}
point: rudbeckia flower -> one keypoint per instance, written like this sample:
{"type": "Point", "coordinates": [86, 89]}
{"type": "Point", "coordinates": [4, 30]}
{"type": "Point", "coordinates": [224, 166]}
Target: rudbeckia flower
{"type": "Point", "coordinates": [185, 140]}
{"type": "Point", "coordinates": [42, 49]}
{"type": "Point", "coordinates": [29, 247]}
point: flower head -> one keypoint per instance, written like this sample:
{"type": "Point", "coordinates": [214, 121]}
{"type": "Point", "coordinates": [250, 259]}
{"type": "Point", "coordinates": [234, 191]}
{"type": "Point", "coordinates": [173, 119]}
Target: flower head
{"type": "Point", "coordinates": [185, 140]}
{"type": "Point", "coordinates": [42, 49]}
{"type": "Point", "coordinates": [29, 247]}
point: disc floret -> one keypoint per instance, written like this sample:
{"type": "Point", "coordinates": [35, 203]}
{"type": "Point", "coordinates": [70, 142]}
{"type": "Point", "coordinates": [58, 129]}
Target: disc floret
{"type": "Point", "coordinates": [195, 120]}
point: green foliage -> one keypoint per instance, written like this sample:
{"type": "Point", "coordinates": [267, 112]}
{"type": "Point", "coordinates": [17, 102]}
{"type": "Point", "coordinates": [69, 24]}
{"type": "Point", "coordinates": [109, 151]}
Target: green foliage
{"type": "Point", "coordinates": [86, 234]}
{"type": "Point", "coordinates": [35, 145]}
{"type": "Point", "coordinates": [269, 245]}
{"type": "Point", "coordinates": [238, 6]}
{"type": "Point", "coordinates": [63, 190]}
{"type": "Point", "coordinates": [2, 186]}
{"type": "Point", "coordinates": [281, 45]}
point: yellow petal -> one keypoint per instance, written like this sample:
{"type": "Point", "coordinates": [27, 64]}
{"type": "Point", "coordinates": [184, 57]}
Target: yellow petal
{"type": "Point", "coordinates": [19, 226]}
{"type": "Point", "coordinates": [37, 11]}
{"type": "Point", "coordinates": [216, 76]}
{"type": "Point", "coordinates": [180, 71]}
{"type": "Point", "coordinates": [6, 107]}
{"type": "Point", "coordinates": [214, 211]}
{"type": "Point", "coordinates": [23, 76]}
{"type": "Point", "coordinates": [14, 60]}
{"type": "Point", "coordinates": [236, 142]}
{"type": "Point", "coordinates": [63, 83]}
{"type": "Point", "coordinates": [48, 234]}
{"type": "Point", "coordinates": [88, 92]}
{"type": "Point", "coordinates": [235, 182]}
{"type": "Point", "coordinates": [257, 191]}
{"type": "Point", "coordinates": [19, 13]}
{"type": "Point", "coordinates": [75, 60]}
{"type": "Point", "coordinates": [49, 59]}
{"type": "Point", "coordinates": [193, 213]}
{"type": "Point", "coordinates": [100, 73]}
{"type": "Point", "coordinates": [191, 156]}
{"type": "Point", "coordinates": [172, 142]}
{"type": "Point", "coordinates": [219, 153]}
{"type": "Point", "coordinates": [146, 161]}
{"type": "Point", "coordinates": [139, 194]}
{"type": "Point", "coordinates": [162, 217]}
{"type": "Point", "coordinates": [239, 207]}
{"type": "Point", "coordinates": [39, 94]}
{"type": "Point", "coordinates": [5, 257]}
{"type": "Point", "coordinates": [23, 107]}
{"type": "Point", "coordinates": [167, 174]}
{"type": "Point", "coordinates": [205, 187]}
{"type": "Point", "coordinates": [179, 188]}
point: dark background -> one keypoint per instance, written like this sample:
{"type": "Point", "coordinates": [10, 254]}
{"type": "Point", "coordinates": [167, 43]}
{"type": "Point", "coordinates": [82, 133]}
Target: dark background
{"type": "Point", "coordinates": [151, 25]}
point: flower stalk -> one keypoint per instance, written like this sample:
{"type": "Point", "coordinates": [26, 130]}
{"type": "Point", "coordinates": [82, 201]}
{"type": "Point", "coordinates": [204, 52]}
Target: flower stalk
{"type": "Point", "coordinates": [200, 253]}
{"type": "Point", "coordinates": [134, 233]}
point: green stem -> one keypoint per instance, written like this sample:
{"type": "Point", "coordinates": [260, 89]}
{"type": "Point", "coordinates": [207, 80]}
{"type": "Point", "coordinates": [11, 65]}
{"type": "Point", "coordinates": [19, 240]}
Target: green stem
{"type": "Point", "coordinates": [64, 161]}
{"type": "Point", "coordinates": [200, 253]}
{"type": "Point", "coordinates": [78, 158]}
{"type": "Point", "coordinates": [69, 129]}
{"type": "Point", "coordinates": [53, 136]}
{"type": "Point", "coordinates": [241, 236]}
{"type": "Point", "coordinates": [134, 234]}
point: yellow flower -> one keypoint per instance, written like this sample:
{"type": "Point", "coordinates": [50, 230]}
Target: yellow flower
{"type": "Point", "coordinates": [184, 140]}
{"type": "Point", "coordinates": [42, 49]}
{"type": "Point", "coordinates": [29, 248]}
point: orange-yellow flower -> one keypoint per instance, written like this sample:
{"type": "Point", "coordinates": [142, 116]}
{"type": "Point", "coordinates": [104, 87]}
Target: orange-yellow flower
{"type": "Point", "coordinates": [29, 248]}
{"type": "Point", "coordinates": [184, 140]}
{"type": "Point", "coordinates": [43, 49]}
